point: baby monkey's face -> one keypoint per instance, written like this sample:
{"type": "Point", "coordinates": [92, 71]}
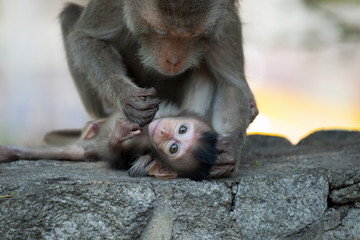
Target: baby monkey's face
{"type": "Point", "coordinates": [176, 136]}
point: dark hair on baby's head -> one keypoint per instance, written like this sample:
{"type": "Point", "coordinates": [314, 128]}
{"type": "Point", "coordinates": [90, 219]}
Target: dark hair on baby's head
{"type": "Point", "coordinates": [205, 154]}
{"type": "Point", "coordinates": [202, 158]}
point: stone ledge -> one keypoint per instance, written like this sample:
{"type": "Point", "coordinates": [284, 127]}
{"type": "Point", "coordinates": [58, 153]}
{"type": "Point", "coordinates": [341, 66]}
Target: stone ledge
{"type": "Point", "coordinates": [307, 191]}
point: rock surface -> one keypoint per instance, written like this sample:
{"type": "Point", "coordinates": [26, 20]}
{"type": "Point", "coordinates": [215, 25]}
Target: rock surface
{"type": "Point", "coordinates": [307, 191]}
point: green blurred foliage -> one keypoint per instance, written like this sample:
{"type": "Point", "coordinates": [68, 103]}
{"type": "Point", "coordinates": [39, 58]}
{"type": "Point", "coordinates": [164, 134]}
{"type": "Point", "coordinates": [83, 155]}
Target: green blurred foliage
{"type": "Point", "coordinates": [348, 30]}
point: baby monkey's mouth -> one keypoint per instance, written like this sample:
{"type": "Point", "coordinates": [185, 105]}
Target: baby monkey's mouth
{"type": "Point", "coordinates": [152, 128]}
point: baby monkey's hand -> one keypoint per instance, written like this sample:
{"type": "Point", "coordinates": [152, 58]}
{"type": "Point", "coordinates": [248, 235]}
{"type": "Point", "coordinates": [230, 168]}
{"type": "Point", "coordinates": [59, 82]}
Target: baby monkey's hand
{"type": "Point", "coordinates": [124, 130]}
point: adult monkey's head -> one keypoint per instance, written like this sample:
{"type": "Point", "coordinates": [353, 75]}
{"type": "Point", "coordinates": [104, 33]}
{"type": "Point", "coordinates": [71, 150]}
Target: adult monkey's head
{"type": "Point", "coordinates": [174, 34]}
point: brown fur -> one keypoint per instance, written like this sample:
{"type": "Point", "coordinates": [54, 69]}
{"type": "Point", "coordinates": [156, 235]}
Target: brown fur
{"type": "Point", "coordinates": [134, 52]}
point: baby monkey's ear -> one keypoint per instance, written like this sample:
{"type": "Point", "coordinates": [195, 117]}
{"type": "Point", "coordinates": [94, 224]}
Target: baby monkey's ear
{"type": "Point", "coordinates": [91, 129]}
{"type": "Point", "coordinates": [161, 172]}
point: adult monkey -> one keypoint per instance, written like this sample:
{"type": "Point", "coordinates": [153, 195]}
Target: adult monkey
{"type": "Point", "coordinates": [131, 53]}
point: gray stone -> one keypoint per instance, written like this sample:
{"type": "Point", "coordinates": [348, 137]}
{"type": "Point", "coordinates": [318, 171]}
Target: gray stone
{"type": "Point", "coordinates": [201, 209]}
{"type": "Point", "coordinates": [331, 138]}
{"type": "Point", "coordinates": [346, 195]}
{"type": "Point", "coordinates": [282, 192]}
{"type": "Point", "coordinates": [259, 146]}
{"type": "Point", "coordinates": [261, 141]}
{"type": "Point", "coordinates": [65, 208]}
{"type": "Point", "coordinates": [268, 208]}
{"type": "Point", "coordinates": [315, 230]}
{"type": "Point", "coordinates": [349, 230]}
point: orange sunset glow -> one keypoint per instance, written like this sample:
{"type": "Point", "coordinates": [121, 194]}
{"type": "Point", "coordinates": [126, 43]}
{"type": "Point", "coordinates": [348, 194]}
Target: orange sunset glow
{"type": "Point", "coordinates": [303, 65]}
{"type": "Point", "coordinates": [294, 115]}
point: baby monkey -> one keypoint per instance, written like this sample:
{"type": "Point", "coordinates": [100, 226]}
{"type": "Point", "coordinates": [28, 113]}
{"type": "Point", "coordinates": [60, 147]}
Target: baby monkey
{"type": "Point", "coordinates": [168, 147]}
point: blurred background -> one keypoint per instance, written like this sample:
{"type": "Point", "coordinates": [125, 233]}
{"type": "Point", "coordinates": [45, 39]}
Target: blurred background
{"type": "Point", "coordinates": [302, 63]}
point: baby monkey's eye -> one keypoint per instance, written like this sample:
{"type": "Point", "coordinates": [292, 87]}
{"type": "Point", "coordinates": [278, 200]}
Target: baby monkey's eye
{"type": "Point", "coordinates": [174, 148]}
{"type": "Point", "coordinates": [182, 129]}
{"type": "Point", "coordinates": [158, 31]}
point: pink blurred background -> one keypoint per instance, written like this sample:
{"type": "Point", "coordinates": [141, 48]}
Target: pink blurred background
{"type": "Point", "coordinates": [302, 63]}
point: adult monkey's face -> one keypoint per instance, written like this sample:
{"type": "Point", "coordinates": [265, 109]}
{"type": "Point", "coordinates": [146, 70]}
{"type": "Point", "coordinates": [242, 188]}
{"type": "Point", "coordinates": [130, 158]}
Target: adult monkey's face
{"type": "Point", "coordinates": [173, 35]}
